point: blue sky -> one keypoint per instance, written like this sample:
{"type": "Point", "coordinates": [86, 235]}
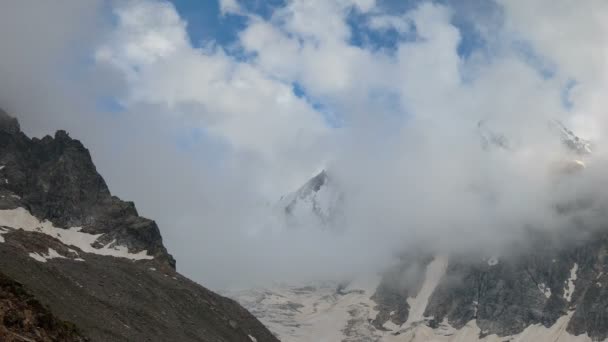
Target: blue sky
{"type": "Point", "coordinates": [205, 22]}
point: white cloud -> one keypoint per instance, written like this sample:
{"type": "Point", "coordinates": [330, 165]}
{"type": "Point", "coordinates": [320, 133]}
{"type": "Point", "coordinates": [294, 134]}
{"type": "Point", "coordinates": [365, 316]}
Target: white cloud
{"type": "Point", "coordinates": [409, 155]}
{"type": "Point", "coordinates": [575, 36]}
{"type": "Point", "coordinates": [232, 100]}
{"type": "Point", "coordinates": [386, 22]}
{"type": "Point", "coordinates": [407, 151]}
{"type": "Point", "coordinates": [230, 6]}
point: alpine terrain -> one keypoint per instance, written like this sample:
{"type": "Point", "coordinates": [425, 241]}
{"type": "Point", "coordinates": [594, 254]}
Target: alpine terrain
{"type": "Point", "coordinates": [552, 289]}
{"type": "Point", "coordinates": [78, 264]}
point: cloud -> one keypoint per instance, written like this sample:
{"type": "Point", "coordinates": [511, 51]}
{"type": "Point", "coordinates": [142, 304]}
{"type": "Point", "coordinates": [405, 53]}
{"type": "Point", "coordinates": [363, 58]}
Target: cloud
{"type": "Point", "coordinates": [230, 6]}
{"type": "Point", "coordinates": [214, 135]}
{"type": "Point", "coordinates": [232, 100]}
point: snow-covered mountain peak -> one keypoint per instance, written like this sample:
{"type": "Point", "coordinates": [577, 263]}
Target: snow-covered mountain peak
{"type": "Point", "coordinates": [570, 140]}
{"type": "Point", "coordinates": [314, 204]}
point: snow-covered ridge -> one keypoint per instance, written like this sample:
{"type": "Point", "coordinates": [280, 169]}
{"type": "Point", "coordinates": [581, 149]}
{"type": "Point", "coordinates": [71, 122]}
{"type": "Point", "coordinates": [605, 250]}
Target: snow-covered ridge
{"type": "Point", "coordinates": [329, 312]}
{"type": "Point", "coordinates": [21, 218]}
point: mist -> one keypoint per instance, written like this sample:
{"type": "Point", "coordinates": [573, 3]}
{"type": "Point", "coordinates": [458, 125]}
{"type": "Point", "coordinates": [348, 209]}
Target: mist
{"type": "Point", "coordinates": [205, 137]}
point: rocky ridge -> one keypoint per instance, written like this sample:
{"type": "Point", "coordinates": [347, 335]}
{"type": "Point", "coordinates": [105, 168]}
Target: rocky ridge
{"type": "Point", "coordinates": [90, 258]}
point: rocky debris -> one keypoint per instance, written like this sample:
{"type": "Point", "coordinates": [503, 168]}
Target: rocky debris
{"type": "Point", "coordinates": [115, 299]}
{"type": "Point", "coordinates": [25, 319]}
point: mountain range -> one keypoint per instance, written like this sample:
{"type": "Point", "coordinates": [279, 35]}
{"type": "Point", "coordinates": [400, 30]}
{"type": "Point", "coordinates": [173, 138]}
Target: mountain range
{"type": "Point", "coordinates": [552, 287]}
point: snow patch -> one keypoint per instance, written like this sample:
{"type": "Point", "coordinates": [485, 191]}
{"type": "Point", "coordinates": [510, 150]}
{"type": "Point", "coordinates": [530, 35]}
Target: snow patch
{"type": "Point", "coordinates": [545, 289]}
{"type": "Point", "coordinates": [51, 254]}
{"type": "Point", "coordinates": [20, 218]}
{"type": "Point", "coordinates": [253, 339]}
{"type": "Point", "coordinates": [389, 325]}
{"type": "Point", "coordinates": [493, 261]}
{"type": "Point", "coordinates": [569, 288]}
{"type": "Point", "coordinates": [434, 272]}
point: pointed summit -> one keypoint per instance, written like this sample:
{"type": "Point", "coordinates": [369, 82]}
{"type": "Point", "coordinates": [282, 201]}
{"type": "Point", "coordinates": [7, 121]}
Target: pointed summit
{"type": "Point", "coordinates": [8, 124]}
{"type": "Point", "coordinates": [314, 204]}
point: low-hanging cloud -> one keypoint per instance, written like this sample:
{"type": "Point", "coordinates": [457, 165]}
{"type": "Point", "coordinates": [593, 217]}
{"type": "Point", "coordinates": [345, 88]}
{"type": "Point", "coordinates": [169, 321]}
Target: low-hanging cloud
{"type": "Point", "coordinates": [214, 135]}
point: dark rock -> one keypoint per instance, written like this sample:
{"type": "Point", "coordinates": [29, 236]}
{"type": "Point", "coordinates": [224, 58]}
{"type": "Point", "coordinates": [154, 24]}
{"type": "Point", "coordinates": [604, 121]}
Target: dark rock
{"type": "Point", "coordinates": [398, 283]}
{"type": "Point", "coordinates": [107, 298]}
{"type": "Point", "coordinates": [8, 124]}
{"type": "Point", "coordinates": [57, 181]}
{"type": "Point", "coordinates": [527, 288]}
{"type": "Point", "coordinates": [115, 299]}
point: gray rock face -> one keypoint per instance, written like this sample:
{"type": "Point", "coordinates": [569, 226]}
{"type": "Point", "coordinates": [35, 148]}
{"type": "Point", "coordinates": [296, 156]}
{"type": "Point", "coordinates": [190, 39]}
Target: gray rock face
{"type": "Point", "coordinates": [539, 284]}
{"type": "Point", "coordinates": [56, 180]}
{"type": "Point", "coordinates": [397, 285]}
{"type": "Point", "coordinates": [107, 298]}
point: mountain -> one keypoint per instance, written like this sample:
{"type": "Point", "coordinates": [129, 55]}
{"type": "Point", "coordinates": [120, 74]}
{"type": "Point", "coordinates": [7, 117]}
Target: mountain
{"type": "Point", "coordinates": [77, 263]}
{"type": "Point", "coordinates": [572, 142]}
{"type": "Point", "coordinates": [314, 204]}
{"type": "Point", "coordinates": [553, 286]}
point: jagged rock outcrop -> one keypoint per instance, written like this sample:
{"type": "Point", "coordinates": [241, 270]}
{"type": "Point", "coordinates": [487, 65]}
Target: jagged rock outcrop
{"type": "Point", "coordinates": [536, 286]}
{"type": "Point", "coordinates": [91, 259]}
{"type": "Point", "coordinates": [55, 179]}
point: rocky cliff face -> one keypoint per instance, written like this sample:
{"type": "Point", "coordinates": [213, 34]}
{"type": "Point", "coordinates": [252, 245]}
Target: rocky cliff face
{"type": "Point", "coordinates": [56, 180]}
{"type": "Point", "coordinates": [91, 259]}
{"type": "Point", "coordinates": [547, 292]}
